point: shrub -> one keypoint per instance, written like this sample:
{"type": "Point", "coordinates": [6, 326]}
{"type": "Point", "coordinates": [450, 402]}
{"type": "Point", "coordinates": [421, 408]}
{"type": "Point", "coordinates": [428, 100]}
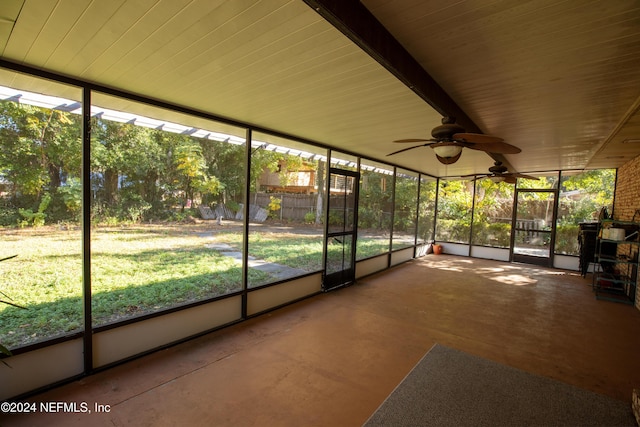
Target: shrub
{"type": "Point", "coordinates": [71, 195]}
{"type": "Point", "coordinates": [36, 219]}
{"type": "Point", "coordinates": [567, 239]}
{"type": "Point", "coordinates": [309, 218]}
{"type": "Point", "coordinates": [452, 230]}
{"type": "Point", "coordinates": [274, 207]}
{"type": "Point", "coordinates": [8, 215]}
{"type": "Point", "coordinates": [497, 234]}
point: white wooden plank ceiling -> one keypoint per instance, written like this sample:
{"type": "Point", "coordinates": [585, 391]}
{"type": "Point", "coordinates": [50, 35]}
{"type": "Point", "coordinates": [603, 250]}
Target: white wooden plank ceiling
{"type": "Point", "coordinates": [557, 79]}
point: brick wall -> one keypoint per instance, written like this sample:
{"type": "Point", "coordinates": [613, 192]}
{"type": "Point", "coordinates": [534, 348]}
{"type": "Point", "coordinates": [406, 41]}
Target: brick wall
{"type": "Point", "coordinates": [627, 197]}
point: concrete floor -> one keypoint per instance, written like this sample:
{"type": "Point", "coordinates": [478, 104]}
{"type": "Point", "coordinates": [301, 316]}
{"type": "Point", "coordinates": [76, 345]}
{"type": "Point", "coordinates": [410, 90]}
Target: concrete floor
{"type": "Point", "coordinates": [332, 359]}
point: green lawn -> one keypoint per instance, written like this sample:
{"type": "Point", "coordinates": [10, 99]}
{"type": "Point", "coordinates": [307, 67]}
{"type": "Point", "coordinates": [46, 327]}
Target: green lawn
{"type": "Point", "coordinates": [135, 270]}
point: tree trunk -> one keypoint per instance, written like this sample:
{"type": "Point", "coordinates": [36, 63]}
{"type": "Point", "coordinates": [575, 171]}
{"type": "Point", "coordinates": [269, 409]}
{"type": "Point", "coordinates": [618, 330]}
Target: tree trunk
{"type": "Point", "coordinates": [54, 176]}
{"type": "Point", "coordinates": [150, 190]}
{"type": "Point", "coordinates": [110, 186]}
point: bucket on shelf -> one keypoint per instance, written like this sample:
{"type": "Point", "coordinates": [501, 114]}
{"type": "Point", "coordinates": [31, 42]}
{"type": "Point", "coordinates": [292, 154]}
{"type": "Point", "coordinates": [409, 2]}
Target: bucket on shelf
{"type": "Point", "coordinates": [613, 233]}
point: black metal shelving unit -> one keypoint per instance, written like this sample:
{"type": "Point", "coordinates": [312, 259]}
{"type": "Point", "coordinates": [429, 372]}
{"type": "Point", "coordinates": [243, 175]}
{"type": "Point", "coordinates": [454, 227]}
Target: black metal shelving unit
{"type": "Point", "coordinates": [616, 262]}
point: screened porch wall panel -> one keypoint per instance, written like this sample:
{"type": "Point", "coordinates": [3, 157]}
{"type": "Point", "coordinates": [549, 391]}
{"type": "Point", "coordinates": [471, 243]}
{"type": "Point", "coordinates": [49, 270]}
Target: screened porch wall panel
{"type": "Point", "coordinates": [40, 368]}
{"type": "Point", "coordinates": [136, 338]}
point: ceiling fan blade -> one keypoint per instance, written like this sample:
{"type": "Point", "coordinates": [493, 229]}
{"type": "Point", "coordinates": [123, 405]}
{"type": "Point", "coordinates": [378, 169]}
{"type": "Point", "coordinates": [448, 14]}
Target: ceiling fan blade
{"type": "Point", "coordinates": [510, 179]}
{"type": "Point", "coordinates": [476, 175]}
{"type": "Point", "coordinates": [477, 138]}
{"type": "Point", "coordinates": [523, 176]}
{"type": "Point", "coordinates": [496, 147]}
{"type": "Point", "coordinates": [414, 140]}
{"type": "Point", "coordinates": [406, 149]}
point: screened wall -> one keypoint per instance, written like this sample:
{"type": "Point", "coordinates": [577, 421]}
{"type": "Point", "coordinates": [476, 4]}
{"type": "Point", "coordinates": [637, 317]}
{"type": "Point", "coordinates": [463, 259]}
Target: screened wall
{"type": "Point", "coordinates": [405, 212]}
{"type": "Point", "coordinates": [428, 189]}
{"type": "Point", "coordinates": [492, 213]}
{"type": "Point", "coordinates": [455, 208]}
{"type": "Point", "coordinates": [375, 209]}
{"type": "Point", "coordinates": [120, 216]}
{"type": "Point", "coordinates": [156, 186]}
{"type": "Point", "coordinates": [40, 211]}
{"type": "Point", "coordinates": [287, 189]}
{"type": "Point", "coordinates": [583, 195]}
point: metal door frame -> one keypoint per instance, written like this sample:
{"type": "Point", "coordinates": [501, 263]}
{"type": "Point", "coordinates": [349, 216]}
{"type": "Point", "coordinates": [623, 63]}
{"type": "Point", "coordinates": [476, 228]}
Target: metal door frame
{"type": "Point", "coordinates": [346, 276]}
{"type": "Point", "coordinates": [531, 259]}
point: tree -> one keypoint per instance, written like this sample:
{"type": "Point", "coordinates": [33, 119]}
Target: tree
{"type": "Point", "coordinates": [454, 210]}
{"type": "Point", "coordinates": [492, 214]}
{"type": "Point", "coordinates": [226, 162]}
{"type": "Point", "coordinates": [40, 151]}
{"type": "Point", "coordinates": [374, 204]}
{"type": "Point", "coordinates": [426, 209]}
{"type": "Point", "coordinates": [38, 147]}
{"type": "Point", "coordinates": [406, 196]}
{"type": "Point", "coordinates": [493, 200]}
{"type": "Point", "coordinates": [263, 160]}
{"type": "Point", "coordinates": [193, 172]}
{"type": "Point", "coordinates": [126, 154]}
{"type": "Point", "coordinates": [599, 184]}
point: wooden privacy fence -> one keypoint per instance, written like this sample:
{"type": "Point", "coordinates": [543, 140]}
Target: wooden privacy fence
{"type": "Point", "coordinates": [292, 206]}
{"type": "Point", "coordinates": [296, 206]}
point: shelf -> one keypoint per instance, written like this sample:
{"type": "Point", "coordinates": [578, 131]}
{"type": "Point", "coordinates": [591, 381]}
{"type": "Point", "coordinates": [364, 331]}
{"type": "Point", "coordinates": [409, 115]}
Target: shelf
{"type": "Point", "coordinates": [616, 263]}
{"type": "Point", "coordinates": [620, 242]}
{"type": "Point", "coordinates": [615, 288]}
{"type": "Point", "coordinates": [614, 260]}
{"type": "Point", "coordinates": [613, 284]}
{"type": "Point", "coordinates": [615, 221]}
{"type": "Point", "coordinates": [612, 276]}
{"type": "Point", "coordinates": [622, 298]}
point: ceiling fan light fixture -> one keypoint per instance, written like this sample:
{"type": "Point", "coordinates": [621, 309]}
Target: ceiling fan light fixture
{"type": "Point", "coordinates": [449, 139]}
{"type": "Point", "coordinates": [449, 152]}
{"type": "Point", "coordinates": [497, 179]}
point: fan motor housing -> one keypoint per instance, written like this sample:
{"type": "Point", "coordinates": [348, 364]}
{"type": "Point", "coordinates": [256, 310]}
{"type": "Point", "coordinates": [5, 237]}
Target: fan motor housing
{"type": "Point", "coordinates": [498, 168]}
{"type": "Point", "coordinates": [446, 131]}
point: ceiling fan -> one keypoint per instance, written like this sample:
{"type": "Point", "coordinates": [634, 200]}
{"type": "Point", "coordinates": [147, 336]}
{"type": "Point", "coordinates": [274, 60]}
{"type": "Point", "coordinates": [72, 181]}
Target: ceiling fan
{"type": "Point", "coordinates": [498, 173]}
{"type": "Point", "coordinates": [449, 138]}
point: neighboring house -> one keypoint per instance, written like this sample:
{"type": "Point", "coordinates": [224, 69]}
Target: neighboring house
{"type": "Point", "coordinates": [301, 181]}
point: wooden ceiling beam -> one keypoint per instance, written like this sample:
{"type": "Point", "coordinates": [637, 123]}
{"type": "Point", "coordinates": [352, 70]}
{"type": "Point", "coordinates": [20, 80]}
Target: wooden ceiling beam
{"type": "Point", "coordinates": [356, 22]}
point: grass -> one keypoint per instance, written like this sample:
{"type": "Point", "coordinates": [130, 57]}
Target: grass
{"type": "Point", "coordinates": [303, 251]}
{"type": "Point", "coordinates": [135, 270]}
{"type": "Point", "coordinates": [44, 277]}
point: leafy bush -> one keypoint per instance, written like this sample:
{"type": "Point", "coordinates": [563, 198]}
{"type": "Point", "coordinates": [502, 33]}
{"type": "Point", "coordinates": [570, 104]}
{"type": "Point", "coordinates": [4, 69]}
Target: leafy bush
{"type": "Point", "coordinates": [404, 221]}
{"type": "Point", "coordinates": [274, 207]}
{"type": "Point", "coordinates": [232, 205]}
{"type": "Point", "coordinates": [495, 234]}
{"type": "Point", "coordinates": [451, 230]}
{"type": "Point", "coordinates": [335, 217]}
{"type": "Point", "coordinates": [72, 197]}
{"type": "Point", "coordinates": [567, 239]}
{"type": "Point", "coordinates": [8, 215]}
{"type": "Point", "coordinates": [374, 218]}
{"type": "Point", "coordinates": [309, 218]}
{"type": "Point", "coordinates": [36, 219]}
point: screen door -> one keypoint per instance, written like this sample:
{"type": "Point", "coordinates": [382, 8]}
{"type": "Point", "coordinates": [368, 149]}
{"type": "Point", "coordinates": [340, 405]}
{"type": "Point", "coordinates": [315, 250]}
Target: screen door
{"type": "Point", "coordinates": [341, 229]}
